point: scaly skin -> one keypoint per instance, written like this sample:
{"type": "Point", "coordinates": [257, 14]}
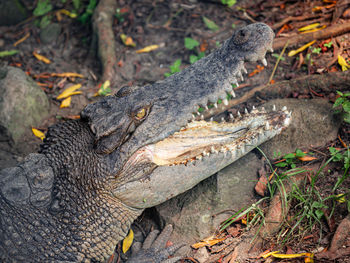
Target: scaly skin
{"type": "Point", "coordinates": [76, 199]}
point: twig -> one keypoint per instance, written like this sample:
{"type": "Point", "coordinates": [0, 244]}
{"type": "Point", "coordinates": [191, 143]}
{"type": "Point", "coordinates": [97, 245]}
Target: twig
{"type": "Point", "coordinates": [278, 60]}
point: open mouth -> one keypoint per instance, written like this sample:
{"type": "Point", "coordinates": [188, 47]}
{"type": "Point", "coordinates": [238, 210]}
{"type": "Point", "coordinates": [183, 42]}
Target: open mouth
{"type": "Point", "coordinates": [204, 138]}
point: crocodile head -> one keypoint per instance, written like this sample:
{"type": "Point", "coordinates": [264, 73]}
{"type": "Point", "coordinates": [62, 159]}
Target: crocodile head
{"type": "Point", "coordinates": [152, 138]}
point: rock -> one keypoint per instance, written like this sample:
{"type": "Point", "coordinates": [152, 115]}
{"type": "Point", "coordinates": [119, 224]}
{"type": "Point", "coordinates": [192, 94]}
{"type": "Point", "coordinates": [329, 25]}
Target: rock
{"type": "Point", "coordinates": [22, 105]}
{"type": "Point", "coordinates": [11, 12]}
{"type": "Point", "coordinates": [196, 213]}
{"type": "Point", "coordinates": [313, 124]}
{"type": "Point", "coordinates": [50, 33]}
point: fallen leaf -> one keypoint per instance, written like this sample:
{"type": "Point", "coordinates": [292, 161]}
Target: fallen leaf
{"type": "Point", "coordinates": [276, 255]}
{"type": "Point", "coordinates": [67, 13]}
{"type": "Point", "coordinates": [207, 242]}
{"type": "Point", "coordinates": [314, 30]}
{"type": "Point", "coordinates": [128, 241]}
{"type": "Point", "coordinates": [342, 62]}
{"type": "Point", "coordinates": [70, 91]}
{"type": "Point", "coordinates": [67, 75]}
{"type": "Point", "coordinates": [127, 41]}
{"type": "Point", "coordinates": [306, 158]}
{"type": "Point", "coordinates": [210, 24]}
{"type": "Point", "coordinates": [41, 58]}
{"type": "Point", "coordinates": [294, 52]}
{"type": "Point", "coordinates": [38, 133]}
{"type": "Point", "coordinates": [66, 102]}
{"type": "Point", "coordinates": [267, 253]}
{"type": "Point", "coordinates": [147, 49]}
{"type": "Point", "coordinates": [309, 27]}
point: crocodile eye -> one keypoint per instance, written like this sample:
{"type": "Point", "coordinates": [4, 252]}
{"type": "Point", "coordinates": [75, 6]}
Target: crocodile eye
{"type": "Point", "coordinates": [141, 114]}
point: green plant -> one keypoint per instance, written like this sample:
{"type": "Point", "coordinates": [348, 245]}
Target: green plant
{"type": "Point", "coordinates": [42, 8]}
{"type": "Point", "coordinates": [229, 3]}
{"type": "Point", "coordinates": [343, 103]}
{"type": "Point", "coordinates": [316, 50]}
{"type": "Point", "coordinates": [338, 156]}
{"type": "Point", "coordinates": [328, 45]}
{"type": "Point", "coordinates": [291, 159]}
{"type": "Point", "coordinates": [175, 67]}
{"type": "Point", "coordinates": [86, 16]}
{"type": "Point", "coordinates": [192, 44]}
{"type": "Point", "coordinates": [210, 24]}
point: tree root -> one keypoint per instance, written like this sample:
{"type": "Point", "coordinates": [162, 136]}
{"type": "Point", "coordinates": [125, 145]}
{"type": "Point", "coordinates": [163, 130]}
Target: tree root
{"type": "Point", "coordinates": [307, 84]}
{"type": "Point", "coordinates": [328, 32]}
{"type": "Point", "coordinates": [102, 26]}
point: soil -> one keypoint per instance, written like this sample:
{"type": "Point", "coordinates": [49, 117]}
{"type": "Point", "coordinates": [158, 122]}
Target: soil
{"type": "Point", "coordinates": [166, 24]}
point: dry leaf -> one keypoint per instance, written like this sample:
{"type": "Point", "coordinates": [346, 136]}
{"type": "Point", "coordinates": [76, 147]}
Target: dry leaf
{"type": "Point", "coordinates": [294, 52]}
{"type": "Point", "coordinates": [309, 27]}
{"type": "Point", "coordinates": [21, 40]}
{"type": "Point", "coordinates": [67, 75]}
{"type": "Point", "coordinates": [70, 91]}
{"type": "Point", "coordinates": [307, 158]}
{"type": "Point", "coordinates": [209, 243]}
{"type": "Point", "coordinates": [342, 62]}
{"type": "Point", "coordinates": [66, 102]}
{"type": "Point", "coordinates": [38, 133]}
{"type": "Point", "coordinates": [127, 41]}
{"type": "Point", "coordinates": [308, 255]}
{"type": "Point", "coordinates": [128, 241]}
{"type": "Point", "coordinates": [41, 58]}
{"type": "Point", "coordinates": [147, 49]}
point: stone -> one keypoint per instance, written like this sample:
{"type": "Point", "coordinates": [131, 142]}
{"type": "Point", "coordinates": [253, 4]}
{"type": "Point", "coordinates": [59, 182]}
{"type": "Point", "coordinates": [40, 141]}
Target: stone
{"type": "Point", "coordinates": [50, 33]}
{"type": "Point", "coordinates": [197, 213]}
{"type": "Point", "coordinates": [22, 105]}
{"type": "Point", "coordinates": [313, 124]}
{"type": "Point", "coordinates": [12, 12]}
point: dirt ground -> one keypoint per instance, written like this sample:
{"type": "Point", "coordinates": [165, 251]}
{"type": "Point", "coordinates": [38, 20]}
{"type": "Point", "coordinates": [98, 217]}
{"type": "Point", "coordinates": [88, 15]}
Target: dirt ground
{"type": "Point", "coordinates": [167, 24]}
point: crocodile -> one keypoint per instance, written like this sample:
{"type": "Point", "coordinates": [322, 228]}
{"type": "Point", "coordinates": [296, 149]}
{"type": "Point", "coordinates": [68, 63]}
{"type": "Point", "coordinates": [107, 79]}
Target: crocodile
{"type": "Point", "coordinates": [77, 197]}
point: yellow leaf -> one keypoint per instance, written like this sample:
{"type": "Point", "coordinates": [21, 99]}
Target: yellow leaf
{"type": "Point", "coordinates": [38, 133]}
{"type": "Point", "coordinates": [147, 49]}
{"type": "Point", "coordinates": [41, 58]}
{"type": "Point", "coordinates": [266, 255]}
{"type": "Point", "coordinates": [127, 40]}
{"type": "Point", "coordinates": [128, 241]}
{"type": "Point", "coordinates": [66, 102]}
{"type": "Point", "coordinates": [342, 62]}
{"type": "Point", "coordinates": [314, 30]}
{"type": "Point", "coordinates": [209, 243]}
{"type": "Point", "coordinates": [294, 52]}
{"type": "Point", "coordinates": [276, 255]}
{"type": "Point", "coordinates": [308, 27]}
{"type": "Point", "coordinates": [22, 39]}
{"type": "Point", "coordinates": [69, 91]}
{"type": "Point", "coordinates": [67, 13]}
{"type": "Point", "coordinates": [67, 75]}
{"type": "Point", "coordinates": [341, 198]}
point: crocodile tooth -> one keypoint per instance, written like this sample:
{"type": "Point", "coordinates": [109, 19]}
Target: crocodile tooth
{"type": "Point", "coordinates": [199, 157]}
{"type": "Point", "coordinates": [244, 70]}
{"type": "Point", "coordinates": [222, 119]}
{"type": "Point", "coordinates": [270, 49]}
{"type": "Point", "coordinates": [202, 117]}
{"type": "Point", "coordinates": [263, 108]}
{"type": "Point", "coordinates": [267, 126]}
{"type": "Point", "coordinates": [254, 107]}
{"type": "Point", "coordinates": [231, 116]}
{"type": "Point", "coordinates": [246, 111]}
{"type": "Point", "coordinates": [212, 149]}
{"type": "Point", "coordinates": [215, 105]}
{"type": "Point", "coordinates": [235, 82]}
{"type": "Point", "coordinates": [264, 62]}
{"type": "Point", "coordinates": [225, 101]}
{"type": "Point", "coordinates": [239, 74]}
{"type": "Point", "coordinates": [284, 108]}
{"type": "Point", "coordinates": [274, 107]}
{"type": "Point", "coordinates": [206, 107]}
{"type": "Point", "coordinates": [239, 114]}
{"type": "Point", "coordinates": [193, 116]}
{"type": "Point", "coordinates": [211, 119]}
{"type": "Point", "coordinates": [233, 94]}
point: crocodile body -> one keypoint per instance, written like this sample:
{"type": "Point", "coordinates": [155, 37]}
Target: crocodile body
{"type": "Point", "coordinates": [76, 198]}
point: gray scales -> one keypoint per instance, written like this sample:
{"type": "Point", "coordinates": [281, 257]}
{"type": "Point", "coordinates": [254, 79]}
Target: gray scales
{"type": "Point", "coordinates": [76, 198]}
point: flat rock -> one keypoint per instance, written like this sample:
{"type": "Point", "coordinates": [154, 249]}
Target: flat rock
{"type": "Point", "coordinates": [197, 213]}
{"type": "Point", "coordinates": [22, 105]}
